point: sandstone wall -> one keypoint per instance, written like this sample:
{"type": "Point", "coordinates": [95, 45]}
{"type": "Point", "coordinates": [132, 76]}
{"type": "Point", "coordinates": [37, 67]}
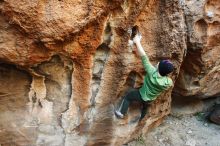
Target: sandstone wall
{"type": "Point", "coordinates": [65, 65]}
{"type": "Point", "coordinates": [200, 70]}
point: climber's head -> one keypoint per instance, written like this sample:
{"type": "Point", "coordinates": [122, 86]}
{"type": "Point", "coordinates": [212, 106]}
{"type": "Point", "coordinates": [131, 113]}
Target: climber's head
{"type": "Point", "coordinates": [165, 67]}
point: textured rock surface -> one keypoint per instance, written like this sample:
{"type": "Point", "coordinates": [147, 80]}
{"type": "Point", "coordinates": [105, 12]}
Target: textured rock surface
{"type": "Point", "coordinates": [72, 64]}
{"type": "Point", "coordinates": [215, 115]}
{"type": "Point", "coordinates": [200, 70]}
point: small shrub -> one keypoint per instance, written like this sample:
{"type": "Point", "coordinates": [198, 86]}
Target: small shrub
{"type": "Point", "coordinates": [200, 116]}
{"type": "Point", "coordinates": [140, 140]}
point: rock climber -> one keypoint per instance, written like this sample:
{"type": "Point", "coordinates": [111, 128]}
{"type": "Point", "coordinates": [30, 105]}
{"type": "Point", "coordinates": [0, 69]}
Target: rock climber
{"type": "Point", "coordinates": [155, 81]}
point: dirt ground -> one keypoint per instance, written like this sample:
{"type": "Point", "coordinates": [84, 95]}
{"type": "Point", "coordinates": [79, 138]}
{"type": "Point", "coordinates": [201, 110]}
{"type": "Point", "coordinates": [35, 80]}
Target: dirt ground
{"type": "Point", "coordinates": [189, 130]}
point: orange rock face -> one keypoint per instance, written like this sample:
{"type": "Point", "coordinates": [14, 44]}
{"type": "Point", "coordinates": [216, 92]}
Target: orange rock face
{"type": "Point", "coordinates": [65, 65]}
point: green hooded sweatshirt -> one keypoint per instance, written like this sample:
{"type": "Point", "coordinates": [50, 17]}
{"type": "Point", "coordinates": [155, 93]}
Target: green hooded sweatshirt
{"type": "Point", "coordinates": [154, 84]}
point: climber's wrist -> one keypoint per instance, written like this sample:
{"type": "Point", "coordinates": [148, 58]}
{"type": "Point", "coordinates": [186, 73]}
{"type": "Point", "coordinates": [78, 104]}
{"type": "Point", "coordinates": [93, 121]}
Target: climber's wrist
{"type": "Point", "coordinates": [138, 44]}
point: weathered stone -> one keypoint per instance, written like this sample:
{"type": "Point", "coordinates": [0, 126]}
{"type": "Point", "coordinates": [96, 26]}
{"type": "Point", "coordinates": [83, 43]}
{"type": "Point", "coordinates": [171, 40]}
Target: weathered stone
{"type": "Point", "coordinates": [74, 64]}
{"type": "Point", "coordinates": [186, 106]}
{"type": "Point", "coordinates": [14, 90]}
{"type": "Point", "coordinates": [215, 114]}
{"type": "Point", "coordinates": [200, 69]}
{"type": "Point", "coordinates": [53, 20]}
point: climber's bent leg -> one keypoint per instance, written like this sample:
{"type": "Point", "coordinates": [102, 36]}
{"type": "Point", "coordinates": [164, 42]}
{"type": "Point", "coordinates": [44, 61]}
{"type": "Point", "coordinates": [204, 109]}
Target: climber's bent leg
{"type": "Point", "coordinates": [133, 95]}
{"type": "Point", "coordinates": [144, 110]}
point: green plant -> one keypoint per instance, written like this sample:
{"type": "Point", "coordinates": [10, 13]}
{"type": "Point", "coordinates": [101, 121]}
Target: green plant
{"type": "Point", "coordinates": [140, 140]}
{"type": "Point", "coordinates": [200, 116]}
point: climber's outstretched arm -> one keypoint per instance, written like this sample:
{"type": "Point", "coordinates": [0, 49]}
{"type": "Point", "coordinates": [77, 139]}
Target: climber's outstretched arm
{"type": "Point", "coordinates": [137, 41]}
{"type": "Point", "coordinates": [148, 67]}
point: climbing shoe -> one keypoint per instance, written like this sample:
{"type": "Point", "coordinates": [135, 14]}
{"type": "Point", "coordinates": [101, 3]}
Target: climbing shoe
{"type": "Point", "coordinates": [119, 114]}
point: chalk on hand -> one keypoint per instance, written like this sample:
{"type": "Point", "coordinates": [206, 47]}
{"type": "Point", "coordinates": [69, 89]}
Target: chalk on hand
{"type": "Point", "coordinates": [210, 14]}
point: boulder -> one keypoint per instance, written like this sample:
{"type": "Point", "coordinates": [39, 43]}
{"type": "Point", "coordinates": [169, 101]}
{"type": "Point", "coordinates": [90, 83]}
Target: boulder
{"type": "Point", "coordinates": [65, 65]}
{"type": "Point", "coordinates": [199, 72]}
{"type": "Point", "coordinates": [215, 114]}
